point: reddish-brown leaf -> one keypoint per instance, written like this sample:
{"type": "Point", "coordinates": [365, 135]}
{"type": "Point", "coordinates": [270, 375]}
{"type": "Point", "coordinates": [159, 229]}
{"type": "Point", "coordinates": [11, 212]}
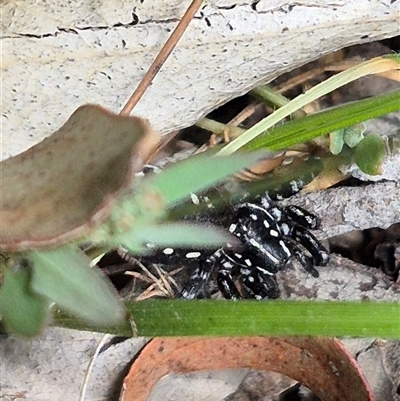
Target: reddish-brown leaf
{"type": "Point", "coordinates": [63, 186]}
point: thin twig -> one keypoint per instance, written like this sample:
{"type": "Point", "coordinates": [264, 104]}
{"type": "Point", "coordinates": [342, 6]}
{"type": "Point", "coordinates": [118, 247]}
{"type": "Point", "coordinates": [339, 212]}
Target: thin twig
{"type": "Point", "coordinates": [161, 58]}
{"type": "Point", "coordinates": [89, 369]}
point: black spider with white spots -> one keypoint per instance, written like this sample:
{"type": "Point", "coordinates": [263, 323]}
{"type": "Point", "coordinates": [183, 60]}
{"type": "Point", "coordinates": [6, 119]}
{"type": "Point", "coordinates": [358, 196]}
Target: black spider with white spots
{"type": "Point", "coordinates": [267, 237]}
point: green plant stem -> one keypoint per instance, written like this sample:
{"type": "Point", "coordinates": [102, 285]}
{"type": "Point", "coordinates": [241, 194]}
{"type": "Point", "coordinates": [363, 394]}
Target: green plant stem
{"type": "Point", "coordinates": [62, 319]}
{"type": "Point", "coordinates": [273, 98]}
{"type": "Point", "coordinates": [218, 128]}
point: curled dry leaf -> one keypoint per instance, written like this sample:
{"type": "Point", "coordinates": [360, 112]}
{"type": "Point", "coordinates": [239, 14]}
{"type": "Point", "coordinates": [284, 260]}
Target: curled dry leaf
{"type": "Point", "coordinates": [322, 364]}
{"type": "Point", "coordinates": [65, 185]}
{"type": "Point", "coordinates": [262, 167]}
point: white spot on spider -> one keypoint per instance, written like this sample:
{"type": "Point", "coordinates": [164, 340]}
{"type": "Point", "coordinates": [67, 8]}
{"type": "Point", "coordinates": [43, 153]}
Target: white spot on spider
{"type": "Point", "coordinates": [255, 243]}
{"type": "Point", "coordinates": [277, 213]}
{"type": "Point", "coordinates": [227, 265]}
{"type": "Point", "coordinates": [285, 229]}
{"type": "Point", "coordinates": [297, 211]}
{"type": "Point", "coordinates": [273, 258]}
{"type": "Point", "coordinates": [232, 228]}
{"type": "Point", "coordinates": [325, 256]}
{"type": "Point", "coordinates": [238, 255]}
{"type": "Point", "coordinates": [266, 224]}
{"type": "Point", "coordinates": [285, 248]}
{"type": "Point", "coordinates": [251, 279]}
{"type": "Point", "coordinates": [207, 201]}
{"type": "Point", "coordinates": [274, 233]}
{"type": "Point", "coordinates": [294, 186]}
{"type": "Point", "coordinates": [195, 199]}
{"type": "Point", "coordinates": [248, 262]}
{"type": "Point", "coordinates": [265, 271]}
{"type": "Point", "coordinates": [168, 251]}
{"type": "Point", "coordinates": [192, 255]}
{"type": "Point", "coordinates": [253, 217]}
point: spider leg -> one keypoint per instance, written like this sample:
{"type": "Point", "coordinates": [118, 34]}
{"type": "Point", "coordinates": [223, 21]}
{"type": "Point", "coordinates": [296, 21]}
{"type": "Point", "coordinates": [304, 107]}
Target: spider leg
{"type": "Point", "coordinates": [306, 261]}
{"type": "Point", "coordinates": [302, 216]}
{"type": "Point", "coordinates": [203, 259]}
{"type": "Point", "coordinates": [258, 231]}
{"type": "Point", "coordinates": [225, 280]}
{"type": "Point", "coordinates": [305, 238]}
{"type": "Point", "coordinates": [260, 284]}
{"type": "Point", "coordinates": [256, 279]}
{"type": "Point", "coordinates": [294, 223]}
{"type": "Point", "coordinates": [195, 287]}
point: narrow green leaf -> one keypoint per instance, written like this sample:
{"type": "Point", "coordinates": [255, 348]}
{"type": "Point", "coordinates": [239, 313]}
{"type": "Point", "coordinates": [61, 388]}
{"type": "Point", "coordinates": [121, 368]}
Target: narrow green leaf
{"type": "Point", "coordinates": [369, 154]}
{"type": "Point", "coordinates": [23, 311]}
{"type": "Point", "coordinates": [64, 276]}
{"type": "Point", "coordinates": [174, 235]}
{"type": "Point", "coordinates": [154, 195]}
{"type": "Point", "coordinates": [247, 318]}
{"type": "Point", "coordinates": [197, 173]}
{"type": "Point", "coordinates": [373, 66]}
{"type": "Point", "coordinates": [227, 318]}
{"type": "Point", "coordinates": [324, 122]}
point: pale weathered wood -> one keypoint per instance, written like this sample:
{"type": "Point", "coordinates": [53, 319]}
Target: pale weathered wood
{"type": "Point", "coordinates": [57, 56]}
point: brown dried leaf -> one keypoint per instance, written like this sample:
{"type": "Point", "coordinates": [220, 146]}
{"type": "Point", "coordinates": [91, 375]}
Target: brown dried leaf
{"type": "Point", "coordinates": [322, 364]}
{"type": "Point", "coordinates": [63, 186]}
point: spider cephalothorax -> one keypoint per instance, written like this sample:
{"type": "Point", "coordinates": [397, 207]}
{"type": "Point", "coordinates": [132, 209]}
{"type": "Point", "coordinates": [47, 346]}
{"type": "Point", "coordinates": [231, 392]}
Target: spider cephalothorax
{"type": "Point", "coordinates": [267, 237]}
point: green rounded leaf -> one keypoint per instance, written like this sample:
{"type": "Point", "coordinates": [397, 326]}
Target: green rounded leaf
{"type": "Point", "coordinates": [336, 141]}
{"type": "Point", "coordinates": [354, 134]}
{"type": "Point", "coordinates": [369, 154]}
{"type": "Point", "coordinates": [23, 311]}
{"type": "Point", "coordinates": [64, 276]}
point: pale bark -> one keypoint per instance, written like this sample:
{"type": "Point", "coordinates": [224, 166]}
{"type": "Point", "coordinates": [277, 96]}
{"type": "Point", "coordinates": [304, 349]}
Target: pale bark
{"type": "Point", "coordinates": [57, 56]}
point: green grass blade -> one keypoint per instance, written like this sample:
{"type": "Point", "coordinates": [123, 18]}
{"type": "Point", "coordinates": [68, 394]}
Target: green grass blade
{"type": "Point", "coordinates": [246, 318]}
{"type": "Point", "coordinates": [314, 125]}
{"type": "Point", "coordinates": [227, 318]}
{"type": "Point", "coordinates": [374, 66]}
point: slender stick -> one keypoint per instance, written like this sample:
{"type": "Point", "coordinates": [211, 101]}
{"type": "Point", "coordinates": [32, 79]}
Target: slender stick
{"type": "Point", "coordinates": [161, 58]}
